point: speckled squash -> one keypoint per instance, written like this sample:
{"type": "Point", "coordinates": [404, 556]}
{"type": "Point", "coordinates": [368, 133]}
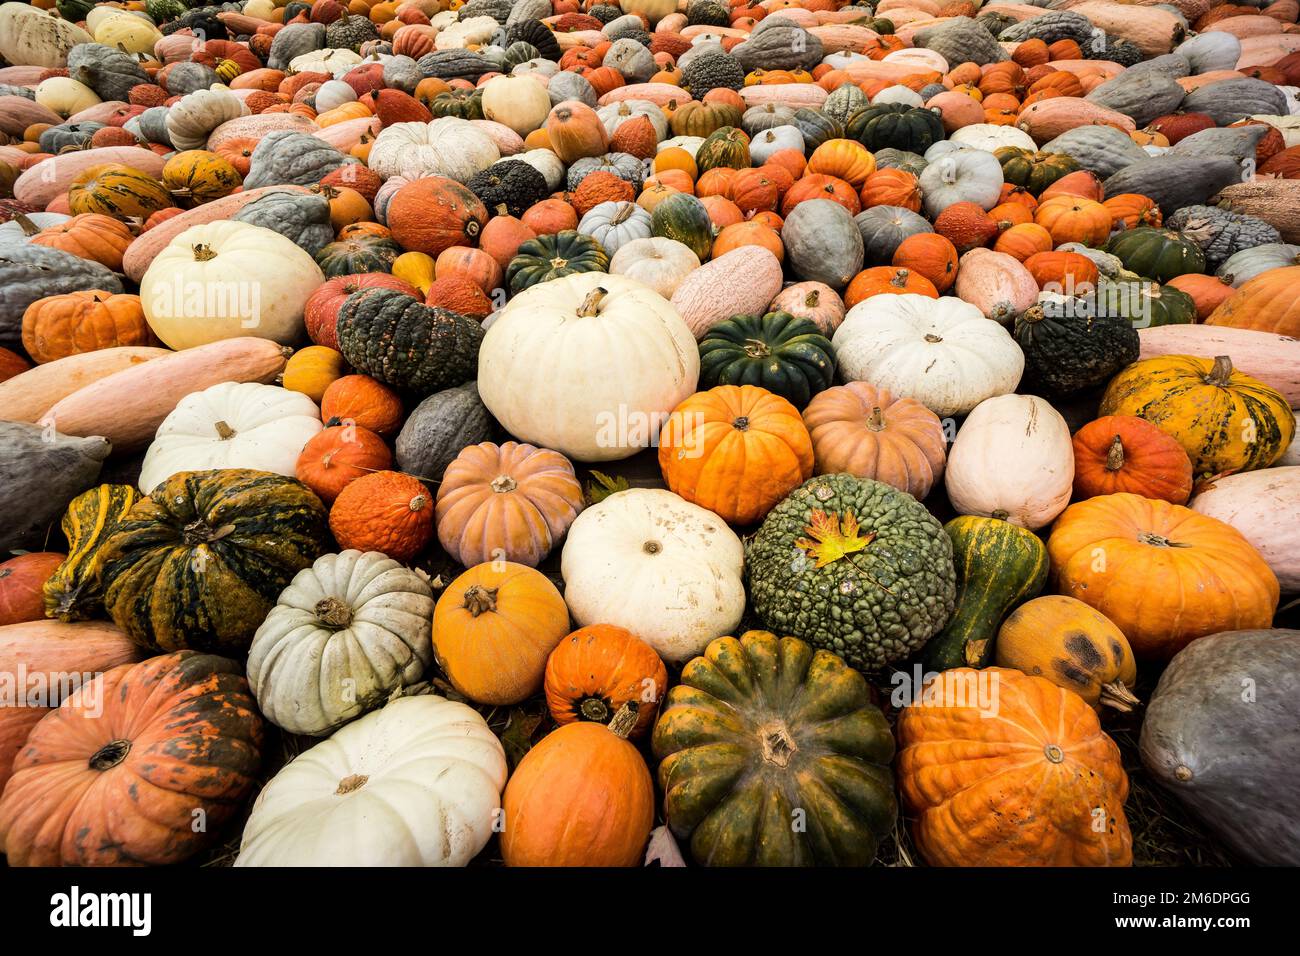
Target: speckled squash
{"type": "Point", "coordinates": [74, 592]}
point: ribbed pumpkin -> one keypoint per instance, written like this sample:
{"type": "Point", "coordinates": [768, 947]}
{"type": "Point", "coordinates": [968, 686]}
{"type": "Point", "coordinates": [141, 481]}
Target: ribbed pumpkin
{"type": "Point", "coordinates": [1032, 170]}
{"type": "Point", "coordinates": [101, 239]}
{"type": "Point", "coordinates": [726, 146]}
{"type": "Point", "coordinates": [196, 176]}
{"type": "Point", "coordinates": [1070, 219]}
{"type": "Point", "coordinates": [869, 433]}
{"type": "Point", "coordinates": [735, 450]}
{"type": "Point", "coordinates": [845, 159]}
{"type": "Point", "coordinates": [1131, 210]}
{"type": "Point", "coordinates": [1124, 453]}
{"type": "Point", "coordinates": [22, 586]}
{"type": "Point", "coordinates": [384, 511]}
{"type": "Point", "coordinates": [76, 322]}
{"type": "Point", "coordinates": [337, 456]}
{"type": "Point", "coordinates": [510, 502]}
{"type": "Point", "coordinates": [119, 191]}
{"type": "Point", "coordinates": [1225, 421]}
{"type": "Point", "coordinates": [891, 187]}
{"type": "Point", "coordinates": [930, 255]}
{"type": "Point", "coordinates": [493, 629]}
{"type": "Point", "coordinates": [596, 670]}
{"type": "Point", "coordinates": [1270, 302]}
{"type": "Point", "coordinates": [1163, 573]}
{"type": "Point", "coordinates": [1160, 254]}
{"type": "Point", "coordinates": [788, 356]}
{"type": "Point", "coordinates": [1026, 759]}
{"type": "Point", "coordinates": [74, 591]}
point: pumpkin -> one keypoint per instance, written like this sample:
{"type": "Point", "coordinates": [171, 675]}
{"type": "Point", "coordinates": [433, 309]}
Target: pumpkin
{"type": "Point", "coordinates": [345, 634]}
{"type": "Point", "coordinates": [360, 254]}
{"type": "Point", "coordinates": [684, 218]}
{"type": "Point", "coordinates": [574, 130]}
{"type": "Point", "coordinates": [16, 724]}
{"type": "Point", "coordinates": [117, 774]}
{"type": "Point", "coordinates": [595, 671]}
{"type": "Point", "coordinates": [1038, 757]}
{"type": "Point", "coordinates": [1034, 171]}
{"type": "Point", "coordinates": [493, 629]}
{"type": "Point", "coordinates": [1262, 506]}
{"type": "Point", "coordinates": [1118, 453]}
{"type": "Point", "coordinates": [415, 783]}
{"type": "Point", "coordinates": [76, 322]}
{"type": "Point", "coordinates": [112, 189]}
{"type": "Point", "coordinates": [383, 511]}
{"type": "Point", "coordinates": [196, 176]}
{"type": "Point", "coordinates": [1225, 421]}
{"type": "Point", "coordinates": [1071, 219]}
{"type": "Point", "coordinates": [1160, 254]}
{"type": "Point", "coordinates": [338, 455]}
{"type": "Point", "coordinates": [787, 356]}
{"type": "Point", "coordinates": [929, 255]}
{"type": "Point", "coordinates": [74, 590]}
{"type": "Point", "coordinates": [1265, 303]}
{"type": "Point", "coordinates": [200, 561]}
{"type": "Point", "coordinates": [660, 263]}
{"type": "Point", "coordinates": [745, 744]}
{"type": "Point", "coordinates": [321, 310]}
{"type": "Point", "coordinates": [1073, 646]}
{"type": "Point", "coordinates": [554, 256]}
{"type": "Point", "coordinates": [91, 236]}
{"type": "Point", "coordinates": [22, 583]}
{"type": "Point", "coordinates": [1163, 573]}
{"type": "Point", "coordinates": [439, 428]}
{"type": "Point", "coordinates": [435, 213]}
{"type": "Point", "coordinates": [1068, 349]}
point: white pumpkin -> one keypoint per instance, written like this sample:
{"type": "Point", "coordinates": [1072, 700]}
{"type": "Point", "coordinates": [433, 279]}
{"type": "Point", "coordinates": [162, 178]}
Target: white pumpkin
{"type": "Point", "coordinates": [898, 94]}
{"type": "Point", "coordinates": [128, 33]}
{"type": "Point", "coordinates": [475, 31]}
{"type": "Point", "coordinates": [1264, 506]}
{"type": "Point", "coordinates": [547, 163]}
{"type": "Point", "coordinates": [648, 560]}
{"type": "Point", "coordinates": [333, 61]}
{"type": "Point", "coordinates": [20, 231]}
{"type": "Point", "coordinates": [942, 352]}
{"type": "Point", "coordinates": [197, 114]}
{"type": "Point", "coordinates": [615, 115]}
{"type": "Point", "coordinates": [615, 224]}
{"type": "Point", "coordinates": [990, 137]}
{"type": "Point", "coordinates": [448, 146]}
{"type": "Point", "coordinates": [30, 36]}
{"type": "Point", "coordinates": [619, 360]}
{"type": "Point", "coordinates": [961, 175]}
{"type": "Point", "coordinates": [918, 59]}
{"type": "Point", "coordinates": [659, 262]}
{"type": "Point", "coordinates": [221, 280]}
{"type": "Point", "coordinates": [1012, 459]}
{"type": "Point", "coordinates": [232, 425]}
{"type": "Point", "coordinates": [769, 141]}
{"type": "Point", "coordinates": [417, 783]}
{"type": "Point", "coordinates": [516, 101]}
{"type": "Point", "coordinates": [333, 93]}
{"type": "Point", "coordinates": [65, 96]}
{"type": "Point", "coordinates": [536, 67]}
{"type": "Point", "coordinates": [345, 634]}
{"type": "Point", "coordinates": [691, 144]}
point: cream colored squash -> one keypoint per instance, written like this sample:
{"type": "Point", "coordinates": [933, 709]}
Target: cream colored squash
{"type": "Point", "coordinates": [942, 352]}
{"type": "Point", "coordinates": [332, 61]}
{"type": "Point", "coordinates": [232, 425]}
{"type": "Point", "coordinates": [227, 279]}
{"type": "Point", "coordinates": [417, 783]}
{"type": "Point", "coordinates": [30, 36]}
{"type": "Point", "coordinates": [190, 121]}
{"type": "Point", "coordinates": [990, 137]}
{"type": "Point", "coordinates": [466, 33]}
{"type": "Point", "coordinates": [652, 10]}
{"type": "Point", "coordinates": [65, 96]}
{"type": "Point", "coordinates": [649, 560]}
{"type": "Point", "coordinates": [659, 262]}
{"type": "Point", "coordinates": [614, 115]}
{"type": "Point", "coordinates": [961, 175]}
{"type": "Point", "coordinates": [548, 164]}
{"type": "Point", "coordinates": [619, 359]}
{"type": "Point", "coordinates": [516, 101]}
{"type": "Point", "coordinates": [448, 147]}
{"type": "Point", "coordinates": [345, 634]}
{"type": "Point", "coordinates": [334, 93]}
{"type": "Point", "coordinates": [129, 33]}
{"type": "Point", "coordinates": [1012, 459]}
{"type": "Point", "coordinates": [1264, 506]}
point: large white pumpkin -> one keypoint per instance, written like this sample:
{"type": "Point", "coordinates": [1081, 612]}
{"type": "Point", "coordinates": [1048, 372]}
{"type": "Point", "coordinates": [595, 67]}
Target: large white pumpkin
{"type": "Point", "coordinates": [659, 262]}
{"type": "Point", "coordinates": [519, 102]}
{"type": "Point", "coordinates": [222, 280]}
{"type": "Point", "coordinates": [1264, 506]}
{"type": "Point", "coordinates": [590, 365]}
{"type": "Point", "coordinates": [652, 562]}
{"type": "Point", "coordinates": [942, 352]}
{"type": "Point", "coordinates": [232, 425]}
{"type": "Point", "coordinates": [961, 175]}
{"type": "Point", "coordinates": [345, 634]}
{"type": "Point", "coordinates": [448, 146]}
{"type": "Point", "coordinates": [417, 783]}
{"type": "Point", "coordinates": [1012, 459]}
{"type": "Point", "coordinates": [30, 36]}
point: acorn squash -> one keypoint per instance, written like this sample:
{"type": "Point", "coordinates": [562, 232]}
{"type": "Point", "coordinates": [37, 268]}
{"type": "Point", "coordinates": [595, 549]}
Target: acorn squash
{"type": "Point", "coordinates": [552, 257]}
{"type": "Point", "coordinates": [781, 353]}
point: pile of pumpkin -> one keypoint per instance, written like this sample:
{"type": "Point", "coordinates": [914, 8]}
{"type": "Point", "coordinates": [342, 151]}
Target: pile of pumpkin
{"type": "Point", "coordinates": [303, 302]}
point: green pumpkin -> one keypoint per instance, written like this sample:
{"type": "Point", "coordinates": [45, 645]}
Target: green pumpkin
{"type": "Point", "coordinates": [727, 147]}
{"type": "Point", "coordinates": [1068, 349]}
{"type": "Point", "coordinates": [1145, 304]}
{"type": "Point", "coordinates": [399, 340]}
{"type": "Point", "coordinates": [999, 567]}
{"type": "Point", "coordinates": [1033, 171]}
{"type": "Point", "coordinates": [554, 256]}
{"type": "Point", "coordinates": [347, 257]}
{"type": "Point", "coordinates": [462, 104]}
{"type": "Point", "coordinates": [779, 352]}
{"type": "Point", "coordinates": [74, 591]}
{"type": "Point", "coordinates": [895, 126]}
{"type": "Point", "coordinates": [816, 127]}
{"type": "Point", "coordinates": [683, 217]}
{"type": "Point", "coordinates": [200, 562]}
{"type": "Point", "coordinates": [854, 566]}
{"type": "Point", "coordinates": [1160, 254]}
{"type": "Point", "coordinates": [761, 732]}
{"type": "Point", "coordinates": [160, 11]}
{"type": "Point", "coordinates": [75, 11]}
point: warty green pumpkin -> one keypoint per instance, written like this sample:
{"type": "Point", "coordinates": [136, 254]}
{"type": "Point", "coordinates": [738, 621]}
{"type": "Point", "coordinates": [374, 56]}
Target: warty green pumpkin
{"type": "Point", "coordinates": [74, 591]}
{"type": "Point", "coordinates": [783, 354]}
{"type": "Point", "coordinates": [1068, 349]}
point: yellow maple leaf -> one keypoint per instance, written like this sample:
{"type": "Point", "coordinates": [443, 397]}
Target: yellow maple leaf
{"type": "Point", "coordinates": [833, 537]}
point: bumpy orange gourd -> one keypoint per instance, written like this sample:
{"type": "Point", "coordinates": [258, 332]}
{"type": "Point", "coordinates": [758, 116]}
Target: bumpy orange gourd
{"type": "Point", "coordinates": [384, 511]}
{"type": "Point", "coordinates": [76, 322]}
{"type": "Point", "coordinates": [597, 669]}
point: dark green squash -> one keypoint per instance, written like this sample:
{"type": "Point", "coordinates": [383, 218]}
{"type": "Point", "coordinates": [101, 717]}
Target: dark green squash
{"type": "Point", "coordinates": [1031, 170]}
{"type": "Point", "coordinates": [683, 217]}
{"type": "Point", "coordinates": [779, 352]}
{"type": "Point", "coordinates": [895, 126]}
{"type": "Point", "coordinates": [554, 256]}
{"type": "Point", "coordinates": [816, 127]}
{"type": "Point", "coordinates": [1068, 349]}
{"type": "Point", "coordinates": [406, 344]}
{"type": "Point", "coordinates": [1220, 734]}
{"type": "Point", "coordinates": [74, 591]}
{"type": "Point", "coordinates": [1160, 254]}
{"type": "Point", "coordinates": [763, 733]}
{"type": "Point", "coordinates": [509, 187]}
{"type": "Point", "coordinates": [348, 257]}
{"type": "Point", "coordinates": [200, 562]}
{"type": "Point", "coordinates": [462, 104]}
{"type": "Point", "coordinates": [74, 11]}
{"type": "Point", "coordinates": [999, 566]}
{"type": "Point", "coordinates": [727, 147]}
{"type": "Point", "coordinates": [1144, 304]}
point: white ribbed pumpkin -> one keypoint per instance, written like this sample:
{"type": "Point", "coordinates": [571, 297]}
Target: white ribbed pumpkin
{"type": "Point", "coordinates": [197, 114]}
{"type": "Point", "coordinates": [448, 146]}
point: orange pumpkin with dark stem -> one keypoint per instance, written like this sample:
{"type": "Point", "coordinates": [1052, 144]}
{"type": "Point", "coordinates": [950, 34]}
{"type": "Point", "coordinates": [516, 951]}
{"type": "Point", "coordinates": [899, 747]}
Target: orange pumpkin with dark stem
{"type": "Point", "coordinates": [576, 131]}
{"type": "Point", "coordinates": [755, 189]}
{"type": "Point", "coordinates": [930, 255]}
{"type": "Point", "coordinates": [1071, 219]}
{"type": "Point", "coordinates": [502, 237]}
{"type": "Point", "coordinates": [581, 797]}
{"type": "Point", "coordinates": [433, 214]}
{"type": "Point", "coordinates": [337, 456]}
{"type": "Point", "coordinates": [384, 511]}
{"type": "Point", "coordinates": [458, 294]}
{"type": "Point", "coordinates": [1130, 210]}
{"type": "Point", "coordinates": [1164, 574]}
{"type": "Point", "coordinates": [493, 629]}
{"type": "Point", "coordinates": [362, 400]}
{"type": "Point", "coordinates": [76, 322]}
{"type": "Point", "coordinates": [715, 182]}
{"type": "Point", "coordinates": [735, 450]}
{"type": "Point", "coordinates": [887, 280]}
{"type": "Point", "coordinates": [1024, 240]}
{"type": "Point", "coordinates": [818, 186]}
{"type": "Point", "coordinates": [1124, 453]}
{"type": "Point", "coordinates": [22, 583]}
{"type": "Point", "coordinates": [1035, 770]}
{"type": "Point", "coordinates": [596, 670]}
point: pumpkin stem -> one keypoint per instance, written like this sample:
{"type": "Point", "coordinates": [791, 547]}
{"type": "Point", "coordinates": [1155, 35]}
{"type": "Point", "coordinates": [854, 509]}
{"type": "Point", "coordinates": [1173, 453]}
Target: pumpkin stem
{"type": "Point", "coordinates": [741, 423]}
{"type": "Point", "coordinates": [351, 783]}
{"type": "Point", "coordinates": [1054, 753]}
{"type": "Point", "coordinates": [1115, 456]}
{"type": "Point", "coordinates": [757, 348]}
{"type": "Point", "coordinates": [1221, 373]}
{"type": "Point", "coordinates": [203, 252]}
{"type": "Point", "coordinates": [333, 613]}
{"type": "Point", "coordinates": [110, 755]}
{"type": "Point", "coordinates": [1033, 314]}
{"type": "Point", "coordinates": [503, 483]}
{"type": "Point", "coordinates": [1159, 541]}
{"type": "Point", "coordinates": [624, 720]}
{"type": "Point", "coordinates": [591, 304]}
{"type": "Point", "coordinates": [876, 420]}
{"type": "Point", "coordinates": [812, 298]}
{"type": "Point", "coordinates": [224, 431]}
{"type": "Point", "coordinates": [777, 743]}
{"type": "Point", "coordinates": [1000, 515]}
{"type": "Point", "coordinates": [652, 547]}
{"type": "Point", "coordinates": [29, 228]}
{"type": "Point", "coordinates": [480, 600]}
{"type": "Point", "coordinates": [932, 338]}
{"type": "Point", "coordinates": [1116, 695]}
{"type": "Point", "coordinates": [418, 502]}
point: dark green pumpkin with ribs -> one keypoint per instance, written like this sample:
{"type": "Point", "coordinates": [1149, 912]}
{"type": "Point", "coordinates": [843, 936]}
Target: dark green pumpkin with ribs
{"type": "Point", "coordinates": [462, 104]}
{"type": "Point", "coordinates": [404, 343]}
{"type": "Point", "coordinates": [1033, 171]}
{"type": "Point", "coordinates": [779, 352]}
{"type": "Point", "coordinates": [201, 561]}
{"type": "Point", "coordinates": [895, 126]}
{"type": "Point", "coordinates": [1068, 349]}
{"type": "Point", "coordinates": [764, 734]}
{"type": "Point", "coordinates": [553, 257]}
{"type": "Point", "coordinates": [348, 257]}
{"type": "Point", "coordinates": [816, 127]}
{"type": "Point", "coordinates": [1144, 304]}
{"type": "Point", "coordinates": [1160, 254]}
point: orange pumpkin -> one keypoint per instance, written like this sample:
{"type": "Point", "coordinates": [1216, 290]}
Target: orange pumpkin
{"type": "Point", "coordinates": [891, 187]}
{"type": "Point", "coordinates": [22, 584]}
{"type": "Point", "coordinates": [843, 159]}
{"type": "Point", "coordinates": [1270, 302]}
{"type": "Point", "coordinates": [1070, 273]}
{"type": "Point", "coordinates": [750, 233]}
{"type": "Point", "coordinates": [596, 670]}
{"type": "Point", "coordinates": [339, 455]}
{"type": "Point", "coordinates": [930, 255]}
{"type": "Point", "coordinates": [735, 450]}
{"type": "Point", "coordinates": [1164, 574]}
{"type": "Point", "coordinates": [76, 322]}
{"type": "Point", "coordinates": [1081, 184]}
{"type": "Point", "coordinates": [493, 629]}
{"type": "Point", "coordinates": [432, 214]}
{"type": "Point", "coordinates": [92, 236]}
{"type": "Point", "coordinates": [715, 182]}
{"type": "Point", "coordinates": [362, 400]}
{"type": "Point", "coordinates": [1130, 210]}
{"type": "Point", "coordinates": [966, 225]}
{"type": "Point", "coordinates": [384, 511]}
{"type": "Point", "coordinates": [550, 216]}
{"type": "Point", "coordinates": [576, 131]}
{"type": "Point", "coordinates": [754, 189]}
{"type": "Point", "coordinates": [791, 160]}
{"type": "Point", "coordinates": [1207, 292]}
{"type": "Point", "coordinates": [887, 280]}
{"type": "Point", "coordinates": [818, 186]}
{"type": "Point", "coordinates": [1071, 219]}
{"type": "Point", "coordinates": [1118, 453]}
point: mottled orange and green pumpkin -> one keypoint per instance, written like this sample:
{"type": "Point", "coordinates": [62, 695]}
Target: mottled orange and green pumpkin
{"type": "Point", "coordinates": [74, 591]}
{"type": "Point", "coordinates": [196, 176]}
{"type": "Point", "coordinates": [118, 191]}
